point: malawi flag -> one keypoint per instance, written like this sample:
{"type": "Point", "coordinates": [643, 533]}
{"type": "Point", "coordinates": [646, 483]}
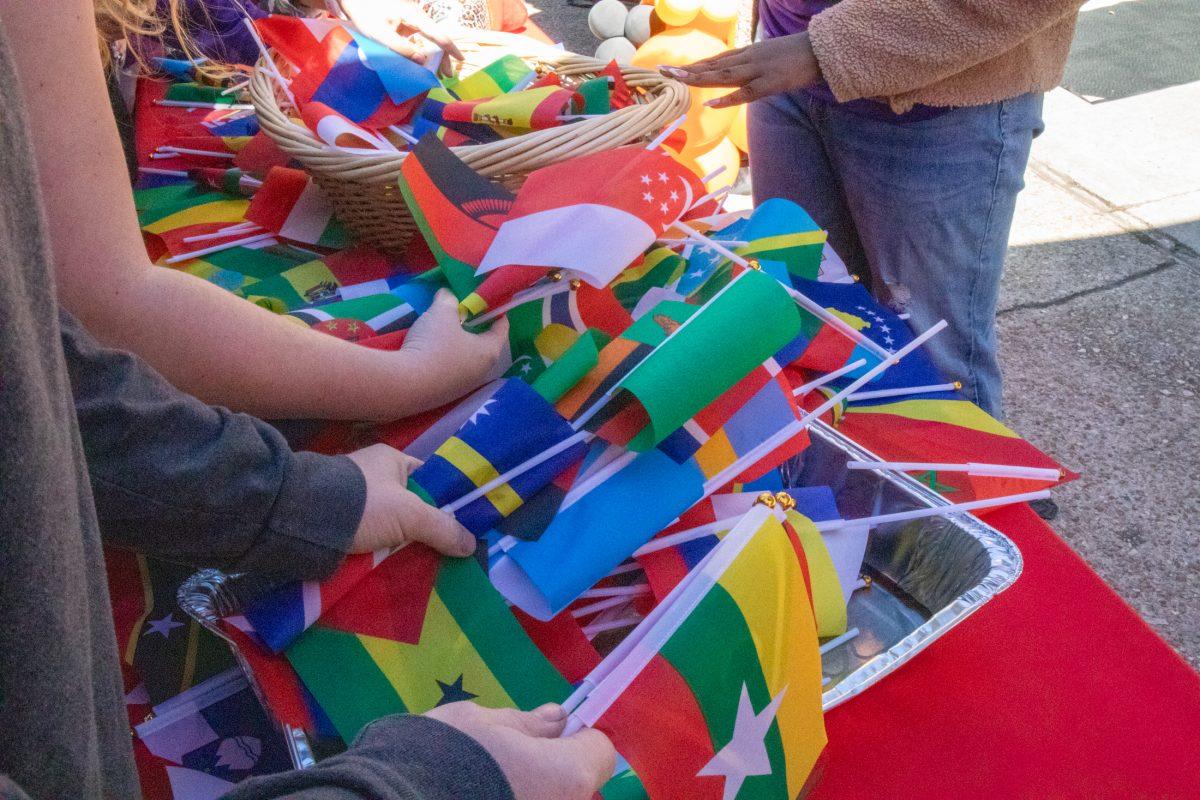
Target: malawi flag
{"type": "Point", "coordinates": [742, 720]}
{"type": "Point", "coordinates": [594, 215]}
{"type": "Point", "coordinates": [419, 632]}
{"type": "Point", "coordinates": [513, 426]}
{"type": "Point", "coordinates": [457, 210]}
{"type": "Point", "coordinates": [291, 204]}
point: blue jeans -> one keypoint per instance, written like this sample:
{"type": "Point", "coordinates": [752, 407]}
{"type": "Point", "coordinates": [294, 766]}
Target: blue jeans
{"type": "Point", "coordinates": [920, 210]}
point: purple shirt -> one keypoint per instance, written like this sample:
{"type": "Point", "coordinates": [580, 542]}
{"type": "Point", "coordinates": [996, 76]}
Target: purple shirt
{"type": "Point", "coordinates": [784, 17]}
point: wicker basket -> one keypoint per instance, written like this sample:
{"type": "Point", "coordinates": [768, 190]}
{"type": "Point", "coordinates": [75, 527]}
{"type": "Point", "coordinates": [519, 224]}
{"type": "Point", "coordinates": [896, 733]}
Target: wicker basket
{"type": "Point", "coordinates": [363, 187]}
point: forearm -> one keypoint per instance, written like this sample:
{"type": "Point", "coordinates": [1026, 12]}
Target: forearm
{"type": "Point", "coordinates": [394, 758]}
{"type": "Point", "coordinates": [181, 480]}
{"type": "Point", "coordinates": [882, 48]}
{"type": "Point", "coordinates": [229, 352]}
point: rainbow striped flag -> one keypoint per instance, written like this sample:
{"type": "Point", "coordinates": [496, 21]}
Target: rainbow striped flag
{"type": "Point", "coordinates": [742, 720]}
{"type": "Point", "coordinates": [418, 632]}
{"type": "Point", "coordinates": [531, 109]}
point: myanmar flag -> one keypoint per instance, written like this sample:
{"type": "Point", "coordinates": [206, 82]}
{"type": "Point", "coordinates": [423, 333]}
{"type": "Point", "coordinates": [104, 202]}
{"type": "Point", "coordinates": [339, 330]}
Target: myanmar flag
{"type": "Point", "coordinates": [457, 210]}
{"type": "Point", "coordinates": [742, 720]}
{"type": "Point", "coordinates": [418, 632]}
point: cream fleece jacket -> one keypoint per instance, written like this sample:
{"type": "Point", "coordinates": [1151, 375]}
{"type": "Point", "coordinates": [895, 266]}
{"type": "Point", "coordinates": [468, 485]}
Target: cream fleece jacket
{"type": "Point", "coordinates": [942, 52]}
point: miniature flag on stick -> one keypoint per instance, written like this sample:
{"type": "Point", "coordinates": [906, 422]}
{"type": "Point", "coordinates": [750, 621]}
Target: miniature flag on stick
{"type": "Point", "coordinates": [291, 204]}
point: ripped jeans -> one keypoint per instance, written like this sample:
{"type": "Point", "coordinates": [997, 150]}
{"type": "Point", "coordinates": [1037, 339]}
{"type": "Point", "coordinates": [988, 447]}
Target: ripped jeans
{"type": "Point", "coordinates": [921, 210]}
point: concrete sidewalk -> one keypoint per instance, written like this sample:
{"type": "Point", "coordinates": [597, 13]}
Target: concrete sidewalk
{"type": "Point", "coordinates": [1100, 331]}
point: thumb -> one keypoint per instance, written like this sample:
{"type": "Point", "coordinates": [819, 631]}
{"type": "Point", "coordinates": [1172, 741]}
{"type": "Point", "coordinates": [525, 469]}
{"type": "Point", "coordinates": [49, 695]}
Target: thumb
{"type": "Point", "coordinates": [431, 526]}
{"type": "Point", "coordinates": [396, 42]}
{"type": "Point", "coordinates": [498, 330]}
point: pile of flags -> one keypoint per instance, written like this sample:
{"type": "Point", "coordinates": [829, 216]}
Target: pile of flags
{"type": "Point", "coordinates": [630, 479]}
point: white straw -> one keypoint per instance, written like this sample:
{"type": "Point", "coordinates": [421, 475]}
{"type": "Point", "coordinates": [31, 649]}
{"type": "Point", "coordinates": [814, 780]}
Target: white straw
{"type": "Point", "coordinates": [224, 233]}
{"type": "Point", "coordinates": [500, 480]}
{"type": "Point", "coordinates": [174, 173]}
{"type": "Point", "coordinates": [636, 590]}
{"type": "Point", "coordinates": [598, 606]}
{"type": "Point", "coordinates": [216, 248]}
{"type": "Point", "coordinates": [270, 62]}
{"type": "Point", "coordinates": [197, 104]}
{"type": "Point", "coordinates": [188, 151]}
{"type": "Point", "coordinates": [933, 511]}
{"type": "Point", "coordinates": [828, 377]}
{"type": "Point", "coordinates": [685, 536]}
{"type": "Point", "coordinates": [904, 390]}
{"type": "Point", "coordinates": [403, 134]}
{"type": "Point", "coordinates": [839, 641]}
{"type": "Point", "coordinates": [971, 468]}
{"type": "Point", "coordinates": [597, 628]}
{"type": "Point", "coordinates": [666, 132]}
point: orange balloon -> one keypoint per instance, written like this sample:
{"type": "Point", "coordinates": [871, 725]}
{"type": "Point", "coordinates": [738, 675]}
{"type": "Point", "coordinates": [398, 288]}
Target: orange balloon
{"type": "Point", "coordinates": [719, 10]}
{"type": "Point", "coordinates": [723, 155]}
{"type": "Point", "coordinates": [676, 47]}
{"type": "Point", "coordinates": [722, 30]}
{"type": "Point", "coordinates": [737, 131]}
{"type": "Point", "coordinates": [677, 12]}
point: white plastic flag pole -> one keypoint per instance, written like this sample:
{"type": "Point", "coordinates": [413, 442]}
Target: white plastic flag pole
{"type": "Point", "coordinates": [839, 641]}
{"type": "Point", "coordinates": [216, 248]}
{"type": "Point", "coordinates": [634, 590]}
{"type": "Point", "coordinates": [726, 242]}
{"type": "Point", "coordinates": [189, 151]}
{"type": "Point", "coordinates": [685, 536]}
{"type": "Point", "coordinates": [598, 606]}
{"type": "Point", "coordinates": [403, 134]}
{"type": "Point", "coordinates": [270, 62]}
{"type": "Point", "coordinates": [173, 173]}
{"type": "Point", "coordinates": [198, 104]}
{"type": "Point", "coordinates": [537, 292]}
{"type": "Point", "coordinates": [933, 511]}
{"type": "Point", "coordinates": [712, 175]}
{"type": "Point", "coordinates": [505, 477]}
{"type": "Point", "coordinates": [713, 195]}
{"type": "Point", "coordinates": [225, 233]}
{"type": "Point", "coordinates": [785, 433]}
{"type": "Point", "coordinates": [971, 468]}
{"type": "Point", "coordinates": [237, 87]}
{"type": "Point", "coordinates": [666, 133]}
{"type": "Point", "coordinates": [904, 390]}
{"type": "Point", "coordinates": [597, 628]}
{"type": "Point", "coordinates": [828, 377]}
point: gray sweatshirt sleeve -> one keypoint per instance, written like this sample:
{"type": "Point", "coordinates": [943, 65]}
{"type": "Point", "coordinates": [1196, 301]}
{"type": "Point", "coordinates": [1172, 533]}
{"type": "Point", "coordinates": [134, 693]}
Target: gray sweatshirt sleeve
{"type": "Point", "coordinates": [394, 758]}
{"type": "Point", "coordinates": [188, 482]}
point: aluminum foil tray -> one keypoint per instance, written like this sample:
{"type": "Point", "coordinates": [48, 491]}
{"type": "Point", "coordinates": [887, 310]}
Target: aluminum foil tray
{"type": "Point", "coordinates": [925, 576]}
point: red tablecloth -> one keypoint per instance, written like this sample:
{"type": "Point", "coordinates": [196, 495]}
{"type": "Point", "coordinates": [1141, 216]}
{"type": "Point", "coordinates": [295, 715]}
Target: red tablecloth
{"type": "Point", "coordinates": [1055, 689]}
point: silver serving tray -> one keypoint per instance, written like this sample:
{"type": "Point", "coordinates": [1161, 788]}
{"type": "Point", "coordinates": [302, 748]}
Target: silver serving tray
{"type": "Point", "coordinates": [925, 576]}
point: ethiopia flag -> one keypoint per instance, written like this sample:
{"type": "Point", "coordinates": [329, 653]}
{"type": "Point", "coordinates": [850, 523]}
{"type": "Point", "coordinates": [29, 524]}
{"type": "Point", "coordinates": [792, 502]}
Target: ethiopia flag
{"type": "Point", "coordinates": [419, 632]}
{"type": "Point", "coordinates": [457, 210]}
{"type": "Point", "coordinates": [742, 720]}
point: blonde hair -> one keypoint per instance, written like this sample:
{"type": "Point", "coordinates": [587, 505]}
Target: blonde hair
{"type": "Point", "coordinates": [126, 20]}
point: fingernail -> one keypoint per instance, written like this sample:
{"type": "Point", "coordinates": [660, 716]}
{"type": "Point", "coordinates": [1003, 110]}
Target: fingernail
{"type": "Point", "coordinates": [712, 103]}
{"type": "Point", "coordinates": [674, 72]}
{"type": "Point", "coordinates": [550, 712]}
{"type": "Point", "coordinates": [466, 543]}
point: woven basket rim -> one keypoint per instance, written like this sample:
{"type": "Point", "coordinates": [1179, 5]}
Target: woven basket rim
{"type": "Point", "coordinates": [665, 100]}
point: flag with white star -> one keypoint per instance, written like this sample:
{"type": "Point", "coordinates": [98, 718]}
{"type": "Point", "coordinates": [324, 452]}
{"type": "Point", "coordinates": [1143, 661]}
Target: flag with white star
{"type": "Point", "coordinates": [741, 720]}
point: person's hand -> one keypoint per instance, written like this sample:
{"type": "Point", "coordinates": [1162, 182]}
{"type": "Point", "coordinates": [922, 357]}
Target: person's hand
{"type": "Point", "coordinates": [456, 360]}
{"type": "Point", "coordinates": [394, 516]}
{"type": "Point", "coordinates": [538, 763]}
{"type": "Point", "coordinates": [391, 22]}
{"type": "Point", "coordinates": [761, 69]}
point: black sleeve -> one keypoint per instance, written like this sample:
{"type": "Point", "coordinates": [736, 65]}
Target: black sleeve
{"type": "Point", "coordinates": [184, 481]}
{"type": "Point", "coordinates": [394, 758]}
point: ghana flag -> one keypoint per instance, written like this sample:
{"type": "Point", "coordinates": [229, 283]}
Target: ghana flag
{"type": "Point", "coordinates": [457, 210]}
{"type": "Point", "coordinates": [418, 632]}
{"type": "Point", "coordinates": [742, 720]}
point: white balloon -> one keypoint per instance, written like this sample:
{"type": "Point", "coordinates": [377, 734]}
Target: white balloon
{"type": "Point", "coordinates": [637, 25]}
{"type": "Point", "coordinates": [607, 19]}
{"type": "Point", "coordinates": [617, 49]}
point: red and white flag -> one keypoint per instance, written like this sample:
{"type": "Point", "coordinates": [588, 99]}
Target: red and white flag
{"type": "Point", "coordinates": [338, 131]}
{"type": "Point", "coordinates": [292, 205]}
{"type": "Point", "coordinates": [594, 215]}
